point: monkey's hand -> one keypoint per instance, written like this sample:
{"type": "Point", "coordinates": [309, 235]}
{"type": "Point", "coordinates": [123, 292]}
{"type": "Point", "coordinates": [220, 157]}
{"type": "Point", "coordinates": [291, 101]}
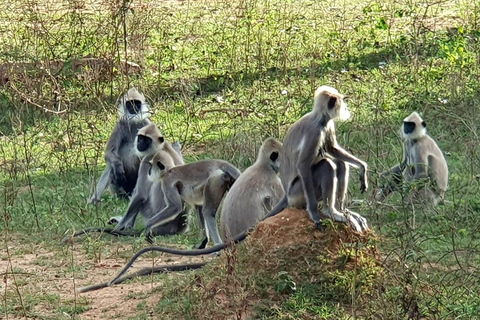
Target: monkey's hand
{"type": "Point", "coordinates": [363, 178]}
{"type": "Point", "coordinates": [118, 176]}
{"type": "Point", "coordinates": [149, 236]}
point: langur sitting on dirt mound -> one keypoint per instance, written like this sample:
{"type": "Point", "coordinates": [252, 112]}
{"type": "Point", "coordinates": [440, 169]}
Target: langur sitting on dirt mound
{"type": "Point", "coordinates": [254, 194]}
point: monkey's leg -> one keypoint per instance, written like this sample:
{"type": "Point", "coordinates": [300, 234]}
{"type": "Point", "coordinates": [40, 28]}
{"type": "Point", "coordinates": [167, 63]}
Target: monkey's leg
{"type": "Point", "coordinates": [325, 182]}
{"type": "Point", "coordinates": [307, 181]}
{"type": "Point", "coordinates": [170, 212]}
{"type": "Point", "coordinates": [203, 236]}
{"type": "Point", "coordinates": [102, 184]}
{"type": "Point", "coordinates": [279, 207]}
{"type": "Point", "coordinates": [215, 188]}
{"type": "Point", "coordinates": [391, 179]}
{"type": "Point", "coordinates": [343, 172]}
{"type": "Point", "coordinates": [136, 205]}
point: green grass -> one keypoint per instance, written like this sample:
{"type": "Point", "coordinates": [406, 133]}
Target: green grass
{"type": "Point", "coordinates": [221, 77]}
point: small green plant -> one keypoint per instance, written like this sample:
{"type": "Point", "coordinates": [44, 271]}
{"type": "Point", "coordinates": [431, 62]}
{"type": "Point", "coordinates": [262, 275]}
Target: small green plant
{"type": "Point", "coordinates": [284, 283]}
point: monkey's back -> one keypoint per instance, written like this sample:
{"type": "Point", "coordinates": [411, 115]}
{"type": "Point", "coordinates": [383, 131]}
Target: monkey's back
{"type": "Point", "coordinates": [191, 178]}
{"type": "Point", "coordinates": [245, 203]}
{"type": "Point", "coordinates": [437, 164]}
{"type": "Point", "coordinates": [304, 133]}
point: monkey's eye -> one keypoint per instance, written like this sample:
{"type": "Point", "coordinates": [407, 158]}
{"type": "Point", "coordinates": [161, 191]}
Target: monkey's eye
{"type": "Point", "coordinates": [424, 124]}
{"type": "Point", "coordinates": [161, 139]}
{"type": "Point", "coordinates": [160, 165]}
{"type": "Point", "coordinates": [274, 156]}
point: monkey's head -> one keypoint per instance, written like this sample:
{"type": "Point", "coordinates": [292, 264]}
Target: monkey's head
{"type": "Point", "coordinates": [269, 153]}
{"type": "Point", "coordinates": [328, 101]}
{"type": "Point", "coordinates": [413, 127]}
{"type": "Point", "coordinates": [161, 163]}
{"type": "Point", "coordinates": [133, 106]}
{"type": "Point", "coordinates": [149, 140]}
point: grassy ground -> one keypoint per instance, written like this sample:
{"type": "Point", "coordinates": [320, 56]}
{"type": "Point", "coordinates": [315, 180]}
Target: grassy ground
{"type": "Point", "coordinates": [221, 77]}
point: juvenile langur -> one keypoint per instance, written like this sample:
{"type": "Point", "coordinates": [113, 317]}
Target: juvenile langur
{"type": "Point", "coordinates": [201, 184]}
{"type": "Point", "coordinates": [254, 194]}
{"type": "Point", "coordinates": [147, 198]}
{"type": "Point", "coordinates": [313, 166]}
{"type": "Point", "coordinates": [122, 161]}
{"type": "Point", "coordinates": [422, 159]}
{"type": "Point", "coordinates": [306, 175]}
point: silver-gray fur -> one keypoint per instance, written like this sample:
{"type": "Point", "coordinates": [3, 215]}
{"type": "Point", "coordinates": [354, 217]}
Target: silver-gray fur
{"type": "Point", "coordinates": [123, 163]}
{"type": "Point", "coordinates": [313, 166]}
{"type": "Point", "coordinates": [147, 197]}
{"type": "Point", "coordinates": [254, 194]}
{"type": "Point", "coordinates": [201, 184]}
{"type": "Point", "coordinates": [422, 160]}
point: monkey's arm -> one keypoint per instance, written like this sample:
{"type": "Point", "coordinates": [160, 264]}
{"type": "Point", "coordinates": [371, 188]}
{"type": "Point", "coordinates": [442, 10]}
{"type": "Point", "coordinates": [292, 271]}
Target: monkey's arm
{"type": "Point", "coordinates": [390, 180]}
{"type": "Point", "coordinates": [304, 171]}
{"type": "Point", "coordinates": [136, 205]}
{"type": "Point", "coordinates": [421, 165]}
{"type": "Point", "coordinates": [173, 208]}
{"type": "Point", "coordinates": [334, 150]}
{"type": "Point", "coordinates": [113, 159]}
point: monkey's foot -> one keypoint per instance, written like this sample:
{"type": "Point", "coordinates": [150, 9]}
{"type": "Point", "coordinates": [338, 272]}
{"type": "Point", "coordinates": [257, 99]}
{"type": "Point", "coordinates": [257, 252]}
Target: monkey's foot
{"type": "Point", "coordinates": [94, 200]}
{"type": "Point", "coordinates": [361, 220]}
{"type": "Point", "coordinates": [149, 237]}
{"type": "Point", "coordinates": [320, 226]}
{"type": "Point", "coordinates": [115, 220]}
{"type": "Point", "coordinates": [202, 244]}
{"type": "Point", "coordinates": [340, 217]}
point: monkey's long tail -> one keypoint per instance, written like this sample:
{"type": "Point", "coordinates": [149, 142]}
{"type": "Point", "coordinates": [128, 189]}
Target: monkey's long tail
{"type": "Point", "coordinates": [198, 252]}
{"type": "Point", "coordinates": [111, 231]}
{"type": "Point", "coordinates": [195, 252]}
{"type": "Point", "coordinates": [143, 272]}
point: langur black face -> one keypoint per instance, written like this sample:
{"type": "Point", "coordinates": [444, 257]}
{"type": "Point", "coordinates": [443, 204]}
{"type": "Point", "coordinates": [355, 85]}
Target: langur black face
{"type": "Point", "coordinates": [410, 127]}
{"type": "Point", "coordinates": [274, 161]}
{"type": "Point", "coordinates": [133, 106]}
{"type": "Point", "coordinates": [144, 142]}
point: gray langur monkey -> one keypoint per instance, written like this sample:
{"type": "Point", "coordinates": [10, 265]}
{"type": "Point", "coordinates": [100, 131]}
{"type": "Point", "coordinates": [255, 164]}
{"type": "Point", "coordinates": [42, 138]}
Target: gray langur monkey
{"type": "Point", "coordinates": [422, 159]}
{"type": "Point", "coordinates": [201, 184]}
{"type": "Point", "coordinates": [307, 176]}
{"type": "Point", "coordinates": [254, 194]}
{"type": "Point", "coordinates": [313, 166]}
{"type": "Point", "coordinates": [147, 197]}
{"type": "Point", "coordinates": [122, 161]}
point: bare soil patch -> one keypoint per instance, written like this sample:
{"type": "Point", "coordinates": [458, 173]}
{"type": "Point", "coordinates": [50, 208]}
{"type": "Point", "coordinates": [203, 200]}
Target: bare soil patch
{"type": "Point", "coordinates": [287, 242]}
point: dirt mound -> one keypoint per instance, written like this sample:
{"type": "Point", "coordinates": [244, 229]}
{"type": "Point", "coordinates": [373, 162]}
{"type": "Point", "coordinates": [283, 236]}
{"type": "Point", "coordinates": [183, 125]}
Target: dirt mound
{"type": "Point", "coordinates": [294, 228]}
{"type": "Point", "coordinates": [285, 254]}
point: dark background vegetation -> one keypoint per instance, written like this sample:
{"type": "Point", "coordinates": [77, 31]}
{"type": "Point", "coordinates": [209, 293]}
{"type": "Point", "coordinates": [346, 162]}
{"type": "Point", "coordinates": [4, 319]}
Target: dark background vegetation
{"type": "Point", "coordinates": [222, 76]}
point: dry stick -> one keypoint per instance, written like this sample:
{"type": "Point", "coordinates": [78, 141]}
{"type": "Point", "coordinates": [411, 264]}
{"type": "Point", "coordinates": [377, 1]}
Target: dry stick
{"type": "Point", "coordinates": [111, 231]}
{"type": "Point", "coordinates": [144, 272]}
{"type": "Point", "coordinates": [24, 97]}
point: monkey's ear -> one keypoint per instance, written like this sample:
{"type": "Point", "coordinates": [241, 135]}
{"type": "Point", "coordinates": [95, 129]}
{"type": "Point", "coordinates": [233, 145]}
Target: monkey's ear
{"type": "Point", "coordinates": [274, 156]}
{"type": "Point", "coordinates": [160, 165]}
{"type": "Point", "coordinates": [161, 139]}
{"type": "Point", "coordinates": [424, 124]}
{"type": "Point", "coordinates": [331, 102]}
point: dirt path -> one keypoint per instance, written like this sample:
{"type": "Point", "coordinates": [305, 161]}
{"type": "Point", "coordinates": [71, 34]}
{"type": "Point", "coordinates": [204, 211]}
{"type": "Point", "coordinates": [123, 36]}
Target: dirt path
{"type": "Point", "coordinates": [46, 280]}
